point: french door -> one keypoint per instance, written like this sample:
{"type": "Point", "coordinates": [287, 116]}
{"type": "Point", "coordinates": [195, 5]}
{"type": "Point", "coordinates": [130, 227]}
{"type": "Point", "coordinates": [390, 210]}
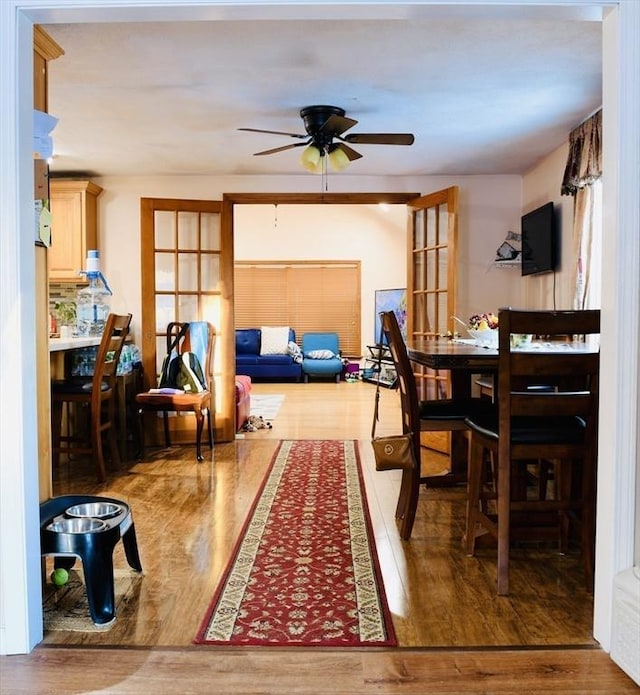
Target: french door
{"type": "Point", "coordinates": [432, 243]}
{"type": "Point", "coordinates": [187, 275]}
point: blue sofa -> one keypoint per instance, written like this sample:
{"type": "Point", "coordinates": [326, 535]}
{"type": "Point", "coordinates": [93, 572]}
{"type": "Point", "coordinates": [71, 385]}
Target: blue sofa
{"type": "Point", "coordinates": [249, 361]}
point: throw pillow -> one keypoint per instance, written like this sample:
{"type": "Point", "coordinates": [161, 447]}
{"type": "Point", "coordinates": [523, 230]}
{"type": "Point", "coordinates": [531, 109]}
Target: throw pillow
{"type": "Point", "coordinates": [274, 340]}
{"type": "Point", "coordinates": [320, 354]}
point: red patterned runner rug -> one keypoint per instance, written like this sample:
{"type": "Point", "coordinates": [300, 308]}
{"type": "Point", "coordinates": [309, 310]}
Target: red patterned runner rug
{"type": "Point", "coordinates": [305, 570]}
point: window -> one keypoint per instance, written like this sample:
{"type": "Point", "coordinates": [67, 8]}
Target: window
{"type": "Point", "coordinates": [305, 295]}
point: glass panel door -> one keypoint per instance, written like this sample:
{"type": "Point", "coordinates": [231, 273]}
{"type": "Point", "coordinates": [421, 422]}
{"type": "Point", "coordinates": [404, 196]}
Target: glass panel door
{"type": "Point", "coordinates": [184, 254]}
{"type": "Point", "coordinates": [431, 279]}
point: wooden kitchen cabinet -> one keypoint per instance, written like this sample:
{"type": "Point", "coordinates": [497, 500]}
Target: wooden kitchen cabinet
{"type": "Point", "coordinates": [74, 214]}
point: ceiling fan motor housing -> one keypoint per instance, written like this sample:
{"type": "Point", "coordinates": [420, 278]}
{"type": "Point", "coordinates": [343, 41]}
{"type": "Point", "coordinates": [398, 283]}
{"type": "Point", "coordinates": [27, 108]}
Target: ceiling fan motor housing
{"type": "Point", "coordinates": [314, 117]}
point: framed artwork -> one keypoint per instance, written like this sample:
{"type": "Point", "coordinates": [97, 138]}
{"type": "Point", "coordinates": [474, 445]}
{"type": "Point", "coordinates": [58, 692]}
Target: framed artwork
{"type": "Point", "coordinates": [390, 300]}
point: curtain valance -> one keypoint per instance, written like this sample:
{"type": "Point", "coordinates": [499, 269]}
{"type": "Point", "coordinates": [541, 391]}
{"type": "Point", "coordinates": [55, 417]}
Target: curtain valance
{"type": "Point", "coordinates": [584, 163]}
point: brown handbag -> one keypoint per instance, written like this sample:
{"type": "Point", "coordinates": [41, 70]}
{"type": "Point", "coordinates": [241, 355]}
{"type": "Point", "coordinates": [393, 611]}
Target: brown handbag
{"type": "Point", "coordinates": [394, 451]}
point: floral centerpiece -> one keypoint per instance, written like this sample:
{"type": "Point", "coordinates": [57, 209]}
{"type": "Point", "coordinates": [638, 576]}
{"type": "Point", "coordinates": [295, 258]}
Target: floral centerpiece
{"type": "Point", "coordinates": [480, 322]}
{"type": "Point", "coordinates": [484, 329]}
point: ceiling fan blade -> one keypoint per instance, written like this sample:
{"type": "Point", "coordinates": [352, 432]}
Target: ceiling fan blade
{"type": "Point", "coordinates": [282, 149]}
{"type": "Point", "coordinates": [349, 151]}
{"type": "Point", "coordinates": [275, 132]}
{"type": "Point", "coordinates": [336, 125]}
{"type": "Point", "coordinates": [380, 138]}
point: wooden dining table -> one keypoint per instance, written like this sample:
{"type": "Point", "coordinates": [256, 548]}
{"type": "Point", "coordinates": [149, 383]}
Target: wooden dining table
{"type": "Point", "coordinates": [464, 359]}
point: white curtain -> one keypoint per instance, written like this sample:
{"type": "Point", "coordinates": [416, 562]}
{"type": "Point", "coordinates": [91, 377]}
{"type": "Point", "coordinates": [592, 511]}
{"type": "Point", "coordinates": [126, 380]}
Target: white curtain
{"type": "Point", "coordinates": [587, 240]}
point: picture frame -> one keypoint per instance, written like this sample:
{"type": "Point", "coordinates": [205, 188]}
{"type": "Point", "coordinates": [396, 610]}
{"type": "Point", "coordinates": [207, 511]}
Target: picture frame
{"type": "Point", "coordinates": [390, 300]}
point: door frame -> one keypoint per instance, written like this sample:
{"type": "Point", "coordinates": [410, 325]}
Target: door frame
{"type": "Point", "coordinates": [229, 200]}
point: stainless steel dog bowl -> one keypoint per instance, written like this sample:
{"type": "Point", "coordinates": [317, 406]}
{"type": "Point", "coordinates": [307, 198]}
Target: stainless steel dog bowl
{"type": "Point", "coordinates": [84, 525]}
{"type": "Point", "coordinates": [97, 510]}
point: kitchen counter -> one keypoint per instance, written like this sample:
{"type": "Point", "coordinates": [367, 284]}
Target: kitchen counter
{"type": "Point", "coordinates": [59, 344]}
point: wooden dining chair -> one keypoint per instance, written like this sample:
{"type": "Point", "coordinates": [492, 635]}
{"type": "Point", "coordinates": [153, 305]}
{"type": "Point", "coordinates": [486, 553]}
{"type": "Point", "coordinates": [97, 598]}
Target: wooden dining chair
{"type": "Point", "coordinates": [419, 416]}
{"type": "Point", "coordinates": [557, 425]}
{"type": "Point", "coordinates": [98, 395]}
{"type": "Point", "coordinates": [200, 339]}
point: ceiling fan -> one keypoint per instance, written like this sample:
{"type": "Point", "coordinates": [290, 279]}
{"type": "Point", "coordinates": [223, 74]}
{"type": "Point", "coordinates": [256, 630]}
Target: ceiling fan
{"type": "Point", "coordinates": [325, 125]}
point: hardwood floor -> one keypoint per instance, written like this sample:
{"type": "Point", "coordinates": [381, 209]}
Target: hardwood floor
{"type": "Point", "coordinates": [188, 516]}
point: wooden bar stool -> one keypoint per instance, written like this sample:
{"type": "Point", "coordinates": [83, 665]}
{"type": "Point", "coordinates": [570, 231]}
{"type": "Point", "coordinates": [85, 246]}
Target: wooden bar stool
{"type": "Point", "coordinates": [98, 393]}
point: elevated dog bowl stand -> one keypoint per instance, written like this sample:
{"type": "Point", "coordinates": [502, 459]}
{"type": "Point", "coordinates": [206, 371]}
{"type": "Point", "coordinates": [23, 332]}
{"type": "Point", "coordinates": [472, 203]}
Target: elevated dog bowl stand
{"type": "Point", "coordinates": [93, 547]}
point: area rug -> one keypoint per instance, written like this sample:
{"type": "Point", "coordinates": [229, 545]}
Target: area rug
{"type": "Point", "coordinates": [304, 571]}
{"type": "Point", "coordinates": [266, 406]}
{"type": "Point", "coordinates": [66, 607]}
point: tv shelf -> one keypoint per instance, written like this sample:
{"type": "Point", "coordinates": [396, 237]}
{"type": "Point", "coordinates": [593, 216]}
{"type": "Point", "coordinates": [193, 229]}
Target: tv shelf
{"type": "Point", "coordinates": [379, 367]}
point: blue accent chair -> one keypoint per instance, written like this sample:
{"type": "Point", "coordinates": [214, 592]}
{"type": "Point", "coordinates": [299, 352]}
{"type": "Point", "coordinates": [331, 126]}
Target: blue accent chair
{"type": "Point", "coordinates": [322, 367]}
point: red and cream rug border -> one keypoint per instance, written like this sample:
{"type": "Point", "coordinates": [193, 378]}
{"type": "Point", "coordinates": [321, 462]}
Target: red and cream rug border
{"type": "Point", "coordinates": [372, 623]}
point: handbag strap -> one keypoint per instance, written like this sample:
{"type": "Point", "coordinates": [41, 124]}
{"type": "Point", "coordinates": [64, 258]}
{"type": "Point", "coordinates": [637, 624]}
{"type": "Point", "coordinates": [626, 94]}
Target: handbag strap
{"type": "Point", "coordinates": [377, 401]}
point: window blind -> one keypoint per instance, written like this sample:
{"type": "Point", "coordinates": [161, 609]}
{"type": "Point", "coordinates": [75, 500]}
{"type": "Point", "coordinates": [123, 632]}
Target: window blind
{"type": "Point", "coordinates": [306, 295]}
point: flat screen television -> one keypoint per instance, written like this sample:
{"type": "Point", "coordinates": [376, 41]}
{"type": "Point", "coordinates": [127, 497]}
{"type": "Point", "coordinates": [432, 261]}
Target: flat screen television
{"type": "Point", "coordinates": [539, 240]}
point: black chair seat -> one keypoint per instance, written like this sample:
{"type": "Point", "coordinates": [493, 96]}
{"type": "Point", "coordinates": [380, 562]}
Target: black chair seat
{"type": "Point", "coordinates": [530, 430]}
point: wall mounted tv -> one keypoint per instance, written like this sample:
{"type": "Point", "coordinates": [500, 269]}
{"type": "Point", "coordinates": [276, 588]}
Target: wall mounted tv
{"type": "Point", "coordinates": [539, 240]}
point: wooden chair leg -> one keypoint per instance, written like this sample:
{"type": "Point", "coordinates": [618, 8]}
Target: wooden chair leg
{"type": "Point", "coordinates": [588, 530]}
{"type": "Point", "coordinates": [199, 427]}
{"type": "Point", "coordinates": [114, 449]}
{"type": "Point", "coordinates": [504, 526]}
{"type": "Point", "coordinates": [411, 506]}
{"type": "Point", "coordinates": [140, 454]}
{"type": "Point", "coordinates": [474, 484]}
{"type": "Point", "coordinates": [563, 476]}
{"type": "Point", "coordinates": [403, 495]}
{"type": "Point", "coordinates": [96, 445]}
{"type": "Point", "coordinates": [210, 428]}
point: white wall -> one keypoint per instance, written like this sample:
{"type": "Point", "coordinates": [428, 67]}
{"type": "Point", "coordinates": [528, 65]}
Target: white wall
{"type": "Point", "coordinates": [489, 206]}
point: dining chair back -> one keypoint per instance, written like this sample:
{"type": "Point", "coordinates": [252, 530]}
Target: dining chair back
{"type": "Point", "coordinates": [97, 394]}
{"type": "Point", "coordinates": [419, 416]}
{"type": "Point", "coordinates": [199, 338]}
{"type": "Point", "coordinates": [556, 424]}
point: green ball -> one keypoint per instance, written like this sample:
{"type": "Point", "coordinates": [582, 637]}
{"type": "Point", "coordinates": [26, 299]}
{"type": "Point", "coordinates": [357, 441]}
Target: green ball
{"type": "Point", "coordinates": [60, 576]}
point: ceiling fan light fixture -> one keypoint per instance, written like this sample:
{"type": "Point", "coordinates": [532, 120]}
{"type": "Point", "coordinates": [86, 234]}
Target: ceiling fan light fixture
{"type": "Point", "coordinates": [338, 158]}
{"type": "Point", "coordinates": [310, 159]}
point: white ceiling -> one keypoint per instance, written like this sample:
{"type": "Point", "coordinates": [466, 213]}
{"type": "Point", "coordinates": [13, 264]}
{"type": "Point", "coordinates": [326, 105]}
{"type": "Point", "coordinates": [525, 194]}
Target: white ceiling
{"type": "Point", "coordinates": [481, 95]}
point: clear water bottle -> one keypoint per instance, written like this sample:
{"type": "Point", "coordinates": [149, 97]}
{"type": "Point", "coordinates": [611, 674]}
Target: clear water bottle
{"type": "Point", "coordinates": [93, 302]}
{"type": "Point", "coordinates": [93, 306]}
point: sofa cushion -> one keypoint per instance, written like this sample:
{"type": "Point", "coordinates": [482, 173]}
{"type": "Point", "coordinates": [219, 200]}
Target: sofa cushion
{"type": "Point", "coordinates": [274, 359]}
{"type": "Point", "coordinates": [320, 354]}
{"type": "Point", "coordinates": [274, 340]}
{"type": "Point", "coordinates": [247, 359]}
{"type": "Point", "coordinates": [247, 341]}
